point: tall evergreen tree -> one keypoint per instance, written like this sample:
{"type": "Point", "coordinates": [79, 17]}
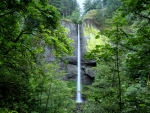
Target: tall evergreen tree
{"type": "Point", "coordinates": [65, 7]}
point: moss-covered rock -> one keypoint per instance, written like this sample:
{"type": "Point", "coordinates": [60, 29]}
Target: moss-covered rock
{"type": "Point", "coordinates": [90, 32]}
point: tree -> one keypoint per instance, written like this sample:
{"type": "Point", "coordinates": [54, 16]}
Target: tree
{"type": "Point", "coordinates": [87, 6]}
{"type": "Point", "coordinates": [140, 37]}
{"type": "Point", "coordinates": [75, 17]}
{"type": "Point", "coordinates": [128, 41]}
{"type": "Point", "coordinates": [104, 9]}
{"type": "Point", "coordinates": [112, 6]}
{"type": "Point", "coordinates": [26, 26]}
{"type": "Point", "coordinates": [65, 7]}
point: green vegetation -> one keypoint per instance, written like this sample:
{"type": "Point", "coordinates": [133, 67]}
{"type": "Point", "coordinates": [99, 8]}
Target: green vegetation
{"type": "Point", "coordinates": [122, 74]}
{"type": "Point", "coordinates": [90, 33]}
{"type": "Point", "coordinates": [104, 9]}
{"type": "Point", "coordinates": [90, 15]}
{"type": "Point", "coordinates": [65, 7]}
{"type": "Point", "coordinates": [28, 84]}
{"type": "Point", "coordinates": [69, 9]}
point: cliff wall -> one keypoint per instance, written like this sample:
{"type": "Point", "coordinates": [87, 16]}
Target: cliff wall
{"type": "Point", "coordinates": [71, 67]}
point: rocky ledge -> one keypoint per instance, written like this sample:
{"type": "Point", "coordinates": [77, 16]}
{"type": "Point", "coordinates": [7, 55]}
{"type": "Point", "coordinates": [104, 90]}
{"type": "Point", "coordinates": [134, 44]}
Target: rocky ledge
{"type": "Point", "coordinates": [73, 61]}
{"type": "Point", "coordinates": [87, 72]}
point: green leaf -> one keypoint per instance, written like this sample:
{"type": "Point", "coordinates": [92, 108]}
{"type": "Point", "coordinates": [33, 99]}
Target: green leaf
{"type": "Point", "coordinates": [142, 105]}
{"type": "Point", "coordinates": [97, 37]}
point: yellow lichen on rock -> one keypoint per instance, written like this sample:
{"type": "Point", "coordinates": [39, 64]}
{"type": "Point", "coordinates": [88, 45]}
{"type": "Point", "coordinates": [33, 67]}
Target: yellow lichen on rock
{"type": "Point", "coordinates": [90, 33]}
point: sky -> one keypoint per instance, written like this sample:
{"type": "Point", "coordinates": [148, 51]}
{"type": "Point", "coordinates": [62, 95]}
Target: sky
{"type": "Point", "coordinates": [80, 3]}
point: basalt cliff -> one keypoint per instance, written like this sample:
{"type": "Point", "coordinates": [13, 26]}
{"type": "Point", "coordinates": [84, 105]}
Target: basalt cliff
{"type": "Point", "coordinates": [70, 67]}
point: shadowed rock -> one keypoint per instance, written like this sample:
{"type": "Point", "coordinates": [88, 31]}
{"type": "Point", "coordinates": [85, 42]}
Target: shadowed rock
{"type": "Point", "coordinates": [87, 72]}
{"type": "Point", "coordinates": [73, 60]}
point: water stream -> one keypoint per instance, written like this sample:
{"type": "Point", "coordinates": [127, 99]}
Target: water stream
{"type": "Point", "coordinates": [79, 97]}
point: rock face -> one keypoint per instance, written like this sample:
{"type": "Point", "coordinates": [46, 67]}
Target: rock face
{"type": "Point", "coordinates": [72, 33]}
{"type": "Point", "coordinates": [48, 55]}
{"type": "Point", "coordinates": [87, 72]}
{"type": "Point", "coordinates": [70, 67]}
{"type": "Point", "coordinates": [86, 65]}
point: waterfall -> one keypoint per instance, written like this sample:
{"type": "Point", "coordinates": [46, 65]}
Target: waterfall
{"type": "Point", "coordinates": [79, 97]}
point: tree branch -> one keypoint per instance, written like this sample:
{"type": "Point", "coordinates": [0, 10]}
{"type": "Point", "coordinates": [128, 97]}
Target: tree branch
{"type": "Point", "coordinates": [143, 16]}
{"type": "Point", "coordinates": [129, 48]}
{"type": "Point", "coordinates": [17, 39]}
{"type": "Point", "coordinates": [7, 13]}
{"type": "Point", "coordinates": [5, 28]}
{"type": "Point", "coordinates": [7, 82]}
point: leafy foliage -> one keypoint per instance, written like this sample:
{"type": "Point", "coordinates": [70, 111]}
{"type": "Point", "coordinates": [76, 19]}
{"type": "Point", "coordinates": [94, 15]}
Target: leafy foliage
{"type": "Point", "coordinates": [25, 28]}
{"type": "Point", "coordinates": [52, 93]}
{"type": "Point", "coordinates": [75, 17]}
{"type": "Point", "coordinates": [122, 76]}
{"type": "Point", "coordinates": [104, 9]}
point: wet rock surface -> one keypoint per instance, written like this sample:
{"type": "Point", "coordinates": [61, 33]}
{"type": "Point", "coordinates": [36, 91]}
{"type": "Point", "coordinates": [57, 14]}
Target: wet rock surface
{"type": "Point", "coordinates": [87, 73]}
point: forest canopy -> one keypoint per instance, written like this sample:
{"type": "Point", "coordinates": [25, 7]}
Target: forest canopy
{"type": "Point", "coordinates": [122, 74]}
{"type": "Point", "coordinates": [28, 84]}
{"type": "Point", "coordinates": [26, 27]}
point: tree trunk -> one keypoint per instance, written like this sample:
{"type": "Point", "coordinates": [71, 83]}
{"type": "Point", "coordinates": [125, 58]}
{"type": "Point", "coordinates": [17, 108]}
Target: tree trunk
{"type": "Point", "coordinates": [118, 71]}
